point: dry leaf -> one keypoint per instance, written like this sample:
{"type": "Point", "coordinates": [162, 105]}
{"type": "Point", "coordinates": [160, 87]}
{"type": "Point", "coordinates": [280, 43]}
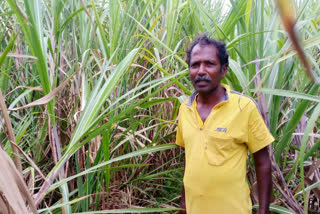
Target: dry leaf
{"type": "Point", "coordinates": [45, 99]}
{"type": "Point", "coordinates": [13, 190]}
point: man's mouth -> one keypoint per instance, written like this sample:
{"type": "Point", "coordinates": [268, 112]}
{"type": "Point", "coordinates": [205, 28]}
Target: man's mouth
{"type": "Point", "coordinates": [202, 83]}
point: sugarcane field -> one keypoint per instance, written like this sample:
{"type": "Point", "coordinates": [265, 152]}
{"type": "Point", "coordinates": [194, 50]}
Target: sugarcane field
{"type": "Point", "coordinates": [160, 106]}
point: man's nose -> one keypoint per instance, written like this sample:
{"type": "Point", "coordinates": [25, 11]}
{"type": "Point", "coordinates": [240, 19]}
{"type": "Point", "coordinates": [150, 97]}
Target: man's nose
{"type": "Point", "coordinates": [202, 69]}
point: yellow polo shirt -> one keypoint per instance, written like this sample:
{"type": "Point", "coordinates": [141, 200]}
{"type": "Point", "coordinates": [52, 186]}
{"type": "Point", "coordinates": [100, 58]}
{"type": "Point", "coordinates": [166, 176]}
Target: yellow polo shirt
{"type": "Point", "coordinates": [216, 153]}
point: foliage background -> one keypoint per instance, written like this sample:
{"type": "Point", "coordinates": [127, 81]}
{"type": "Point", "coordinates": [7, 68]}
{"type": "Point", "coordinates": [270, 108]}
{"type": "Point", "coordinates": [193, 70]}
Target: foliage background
{"type": "Point", "coordinates": [93, 90]}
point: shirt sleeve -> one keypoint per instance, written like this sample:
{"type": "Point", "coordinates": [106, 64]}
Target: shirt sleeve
{"type": "Point", "coordinates": [179, 138]}
{"type": "Point", "coordinates": [258, 133]}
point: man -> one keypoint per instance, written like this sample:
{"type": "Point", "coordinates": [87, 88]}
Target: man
{"type": "Point", "coordinates": [217, 127]}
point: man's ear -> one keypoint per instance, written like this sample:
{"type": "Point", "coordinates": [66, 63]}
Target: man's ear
{"type": "Point", "coordinates": [224, 70]}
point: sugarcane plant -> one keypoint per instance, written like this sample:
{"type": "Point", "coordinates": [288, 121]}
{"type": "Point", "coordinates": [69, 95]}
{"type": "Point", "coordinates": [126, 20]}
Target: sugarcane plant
{"type": "Point", "coordinates": [93, 90]}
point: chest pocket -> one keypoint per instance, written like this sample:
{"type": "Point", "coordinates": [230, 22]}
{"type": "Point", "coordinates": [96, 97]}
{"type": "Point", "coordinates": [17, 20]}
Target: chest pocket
{"type": "Point", "coordinates": [219, 148]}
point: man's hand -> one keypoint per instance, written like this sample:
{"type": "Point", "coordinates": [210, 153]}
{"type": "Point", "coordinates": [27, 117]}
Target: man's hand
{"type": "Point", "coordinates": [182, 203]}
{"type": "Point", "coordinates": [263, 172]}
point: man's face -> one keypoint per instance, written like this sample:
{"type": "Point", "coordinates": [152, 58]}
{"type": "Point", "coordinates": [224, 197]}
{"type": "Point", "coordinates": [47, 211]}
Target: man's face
{"type": "Point", "coordinates": [205, 68]}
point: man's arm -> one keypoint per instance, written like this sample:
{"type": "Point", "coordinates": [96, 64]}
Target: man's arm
{"type": "Point", "coordinates": [183, 202]}
{"type": "Point", "coordinates": [263, 172]}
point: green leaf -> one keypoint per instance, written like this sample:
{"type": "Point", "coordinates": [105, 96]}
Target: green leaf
{"type": "Point", "coordinates": [248, 12]}
{"type": "Point", "coordinates": [119, 158]}
{"type": "Point", "coordinates": [8, 48]}
{"type": "Point", "coordinates": [287, 93]}
{"type": "Point", "coordinates": [277, 209]}
{"type": "Point", "coordinates": [235, 67]}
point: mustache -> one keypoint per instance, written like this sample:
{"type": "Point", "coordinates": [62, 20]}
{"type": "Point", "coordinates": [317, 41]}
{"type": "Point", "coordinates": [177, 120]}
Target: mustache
{"type": "Point", "coordinates": [202, 78]}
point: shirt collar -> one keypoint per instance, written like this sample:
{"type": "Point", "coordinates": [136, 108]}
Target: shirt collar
{"type": "Point", "coordinates": [194, 94]}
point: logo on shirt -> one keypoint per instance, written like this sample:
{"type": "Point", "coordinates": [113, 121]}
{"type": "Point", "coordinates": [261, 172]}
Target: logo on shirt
{"type": "Point", "coordinates": [221, 129]}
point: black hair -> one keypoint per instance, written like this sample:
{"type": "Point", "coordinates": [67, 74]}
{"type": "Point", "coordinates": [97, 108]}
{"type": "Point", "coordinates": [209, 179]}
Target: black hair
{"type": "Point", "coordinates": [204, 40]}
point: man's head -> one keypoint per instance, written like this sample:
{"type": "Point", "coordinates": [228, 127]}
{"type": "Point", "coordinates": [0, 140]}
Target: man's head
{"type": "Point", "coordinates": [204, 40]}
{"type": "Point", "coordinates": [208, 63]}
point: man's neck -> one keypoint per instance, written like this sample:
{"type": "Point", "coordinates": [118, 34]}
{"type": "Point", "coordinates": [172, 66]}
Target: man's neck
{"type": "Point", "coordinates": [212, 98]}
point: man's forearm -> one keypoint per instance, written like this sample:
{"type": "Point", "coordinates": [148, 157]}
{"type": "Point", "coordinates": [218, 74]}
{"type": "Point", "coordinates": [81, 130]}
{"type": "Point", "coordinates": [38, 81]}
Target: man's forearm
{"type": "Point", "coordinates": [183, 202]}
{"type": "Point", "coordinates": [264, 188]}
{"type": "Point", "coordinates": [263, 171]}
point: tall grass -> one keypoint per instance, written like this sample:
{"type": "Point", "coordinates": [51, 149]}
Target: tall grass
{"type": "Point", "coordinates": [104, 139]}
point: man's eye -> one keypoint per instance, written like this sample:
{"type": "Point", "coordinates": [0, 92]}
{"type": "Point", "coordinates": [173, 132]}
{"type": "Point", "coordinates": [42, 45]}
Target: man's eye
{"type": "Point", "coordinates": [194, 65]}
